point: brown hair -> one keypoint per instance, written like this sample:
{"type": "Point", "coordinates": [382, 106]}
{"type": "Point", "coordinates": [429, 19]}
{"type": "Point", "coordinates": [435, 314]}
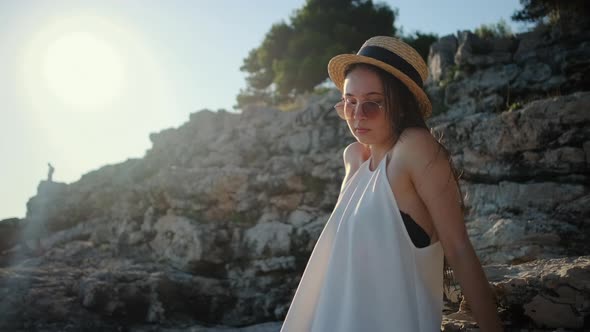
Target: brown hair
{"type": "Point", "coordinates": [402, 113]}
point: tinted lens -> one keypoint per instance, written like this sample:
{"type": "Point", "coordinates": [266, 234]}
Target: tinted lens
{"type": "Point", "coordinates": [339, 107]}
{"type": "Point", "coordinates": [370, 109]}
{"type": "Point", "coordinates": [349, 110]}
{"type": "Point", "coordinates": [346, 110]}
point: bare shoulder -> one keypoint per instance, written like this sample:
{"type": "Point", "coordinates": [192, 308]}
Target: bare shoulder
{"type": "Point", "coordinates": [424, 158]}
{"type": "Point", "coordinates": [419, 147]}
{"type": "Point", "coordinates": [418, 137]}
{"type": "Point", "coordinates": [354, 155]}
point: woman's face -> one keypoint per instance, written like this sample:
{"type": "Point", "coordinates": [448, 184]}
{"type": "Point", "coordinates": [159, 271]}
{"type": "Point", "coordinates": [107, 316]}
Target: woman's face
{"type": "Point", "coordinates": [360, 85]}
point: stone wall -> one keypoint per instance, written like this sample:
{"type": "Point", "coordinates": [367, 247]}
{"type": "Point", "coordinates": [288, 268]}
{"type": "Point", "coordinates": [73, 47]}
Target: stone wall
{"type": "Point", "coordinates": [216, 223]}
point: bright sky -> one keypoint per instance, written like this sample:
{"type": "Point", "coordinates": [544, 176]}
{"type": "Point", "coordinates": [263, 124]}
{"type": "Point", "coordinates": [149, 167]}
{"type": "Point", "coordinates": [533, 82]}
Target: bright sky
{"type": "Point", "coordinates": [84, 83]}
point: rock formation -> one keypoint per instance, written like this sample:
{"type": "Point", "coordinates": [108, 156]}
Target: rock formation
{"type": "Point", "coordinates": [213, 227]}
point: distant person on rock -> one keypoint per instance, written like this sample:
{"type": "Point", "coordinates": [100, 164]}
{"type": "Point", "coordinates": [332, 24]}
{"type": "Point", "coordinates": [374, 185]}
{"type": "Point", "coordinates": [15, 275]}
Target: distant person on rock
{"type": "Point", "coordinates": [378, 264]}
{"type": "Point", "coordinates": [50, 172]}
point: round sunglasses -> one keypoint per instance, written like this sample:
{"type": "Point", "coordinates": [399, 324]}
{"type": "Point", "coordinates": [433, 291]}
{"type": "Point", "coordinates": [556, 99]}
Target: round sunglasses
{"type": "Point", "coordinates": [346, 108]}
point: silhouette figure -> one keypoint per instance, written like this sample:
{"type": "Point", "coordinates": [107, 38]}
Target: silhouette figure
{"type": "Point", "coordinates": [50, 173]}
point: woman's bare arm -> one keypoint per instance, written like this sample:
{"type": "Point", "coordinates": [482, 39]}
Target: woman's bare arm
{"type": "Point", "coordinates": [432, 177]}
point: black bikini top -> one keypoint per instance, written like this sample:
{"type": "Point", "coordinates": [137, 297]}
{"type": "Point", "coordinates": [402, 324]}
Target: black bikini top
{"type": "Point", "coordinates": [419, 237]}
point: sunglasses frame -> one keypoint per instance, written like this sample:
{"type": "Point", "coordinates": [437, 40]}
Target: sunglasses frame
{"type": "Point", "coordinates": [340, 108]}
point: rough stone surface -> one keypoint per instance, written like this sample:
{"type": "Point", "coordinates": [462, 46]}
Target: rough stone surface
{"type": "Point", "coordinates": [212, 228]}
{"type": "Point", "coordinates": [553, 293]}
{"type": "Point", "coordinates": [442, 57]}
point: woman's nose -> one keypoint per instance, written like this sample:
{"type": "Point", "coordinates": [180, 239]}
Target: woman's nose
{"type": "Point", "coordinates": [358, 112]}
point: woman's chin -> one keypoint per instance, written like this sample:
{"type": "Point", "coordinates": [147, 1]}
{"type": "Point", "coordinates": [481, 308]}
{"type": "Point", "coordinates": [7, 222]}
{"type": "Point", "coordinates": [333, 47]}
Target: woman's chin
{"type": "Point", "coordinates": [363, 139]}
{"type": "Point", "coordinates": [371, 141]}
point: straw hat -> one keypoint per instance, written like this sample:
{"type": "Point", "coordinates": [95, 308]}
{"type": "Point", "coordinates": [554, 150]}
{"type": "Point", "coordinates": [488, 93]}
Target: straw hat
{"type": "Point", "coordinates": [395, 57]}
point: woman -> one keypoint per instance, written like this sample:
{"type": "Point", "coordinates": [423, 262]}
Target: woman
{"type": "Point", "coordinates": [378, 263]}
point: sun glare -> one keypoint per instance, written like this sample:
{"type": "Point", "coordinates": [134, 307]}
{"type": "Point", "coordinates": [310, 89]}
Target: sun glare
{"type": "Point", "coordinates": [91, 87]}
{"type": "Point", "coordinates": [79, 63]}
{"type": "Point", "coordinates": [83, 70]}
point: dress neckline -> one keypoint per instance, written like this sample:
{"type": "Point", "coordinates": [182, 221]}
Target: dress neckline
{"type": "Point", "coordinates": [368, 161]}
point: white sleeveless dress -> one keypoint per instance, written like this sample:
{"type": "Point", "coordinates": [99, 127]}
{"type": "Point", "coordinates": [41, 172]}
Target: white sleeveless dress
{"type": "Point", "coordinates": [364, 273]}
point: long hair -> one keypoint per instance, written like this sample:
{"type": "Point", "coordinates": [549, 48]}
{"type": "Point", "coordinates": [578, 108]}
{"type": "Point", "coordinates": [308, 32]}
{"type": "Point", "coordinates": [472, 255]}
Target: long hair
{"type": "Point", "coordinates": [403, 112]}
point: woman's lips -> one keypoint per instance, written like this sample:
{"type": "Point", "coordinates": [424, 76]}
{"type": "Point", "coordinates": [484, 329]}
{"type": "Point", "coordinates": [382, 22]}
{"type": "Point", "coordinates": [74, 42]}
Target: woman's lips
{"type": "Point", "coordinates": [361, 130]}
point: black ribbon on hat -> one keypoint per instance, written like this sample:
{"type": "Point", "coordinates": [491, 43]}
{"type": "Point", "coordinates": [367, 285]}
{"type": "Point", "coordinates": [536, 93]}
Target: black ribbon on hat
{"type": "Point", "coordinates": [392, 59]}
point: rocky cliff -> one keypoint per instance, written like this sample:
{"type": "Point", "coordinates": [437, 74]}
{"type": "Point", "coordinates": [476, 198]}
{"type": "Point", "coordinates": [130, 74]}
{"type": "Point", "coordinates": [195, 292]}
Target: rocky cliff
{"type": "Point", "coordinates": [214, 226]}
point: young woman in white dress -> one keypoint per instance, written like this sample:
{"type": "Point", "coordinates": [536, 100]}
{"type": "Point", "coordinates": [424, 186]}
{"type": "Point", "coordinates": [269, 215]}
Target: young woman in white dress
{"type": "Point", "coordinates": [378, 263]}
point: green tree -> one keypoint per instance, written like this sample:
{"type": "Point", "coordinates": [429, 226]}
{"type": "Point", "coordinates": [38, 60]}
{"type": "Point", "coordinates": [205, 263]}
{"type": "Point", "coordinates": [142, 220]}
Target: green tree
{"type": "Point", "coordinates": [498, 30]}
{"type": "Point", "coordinates": [565, 13]}
{"type": "Point", "coordinates": [293, 57]}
